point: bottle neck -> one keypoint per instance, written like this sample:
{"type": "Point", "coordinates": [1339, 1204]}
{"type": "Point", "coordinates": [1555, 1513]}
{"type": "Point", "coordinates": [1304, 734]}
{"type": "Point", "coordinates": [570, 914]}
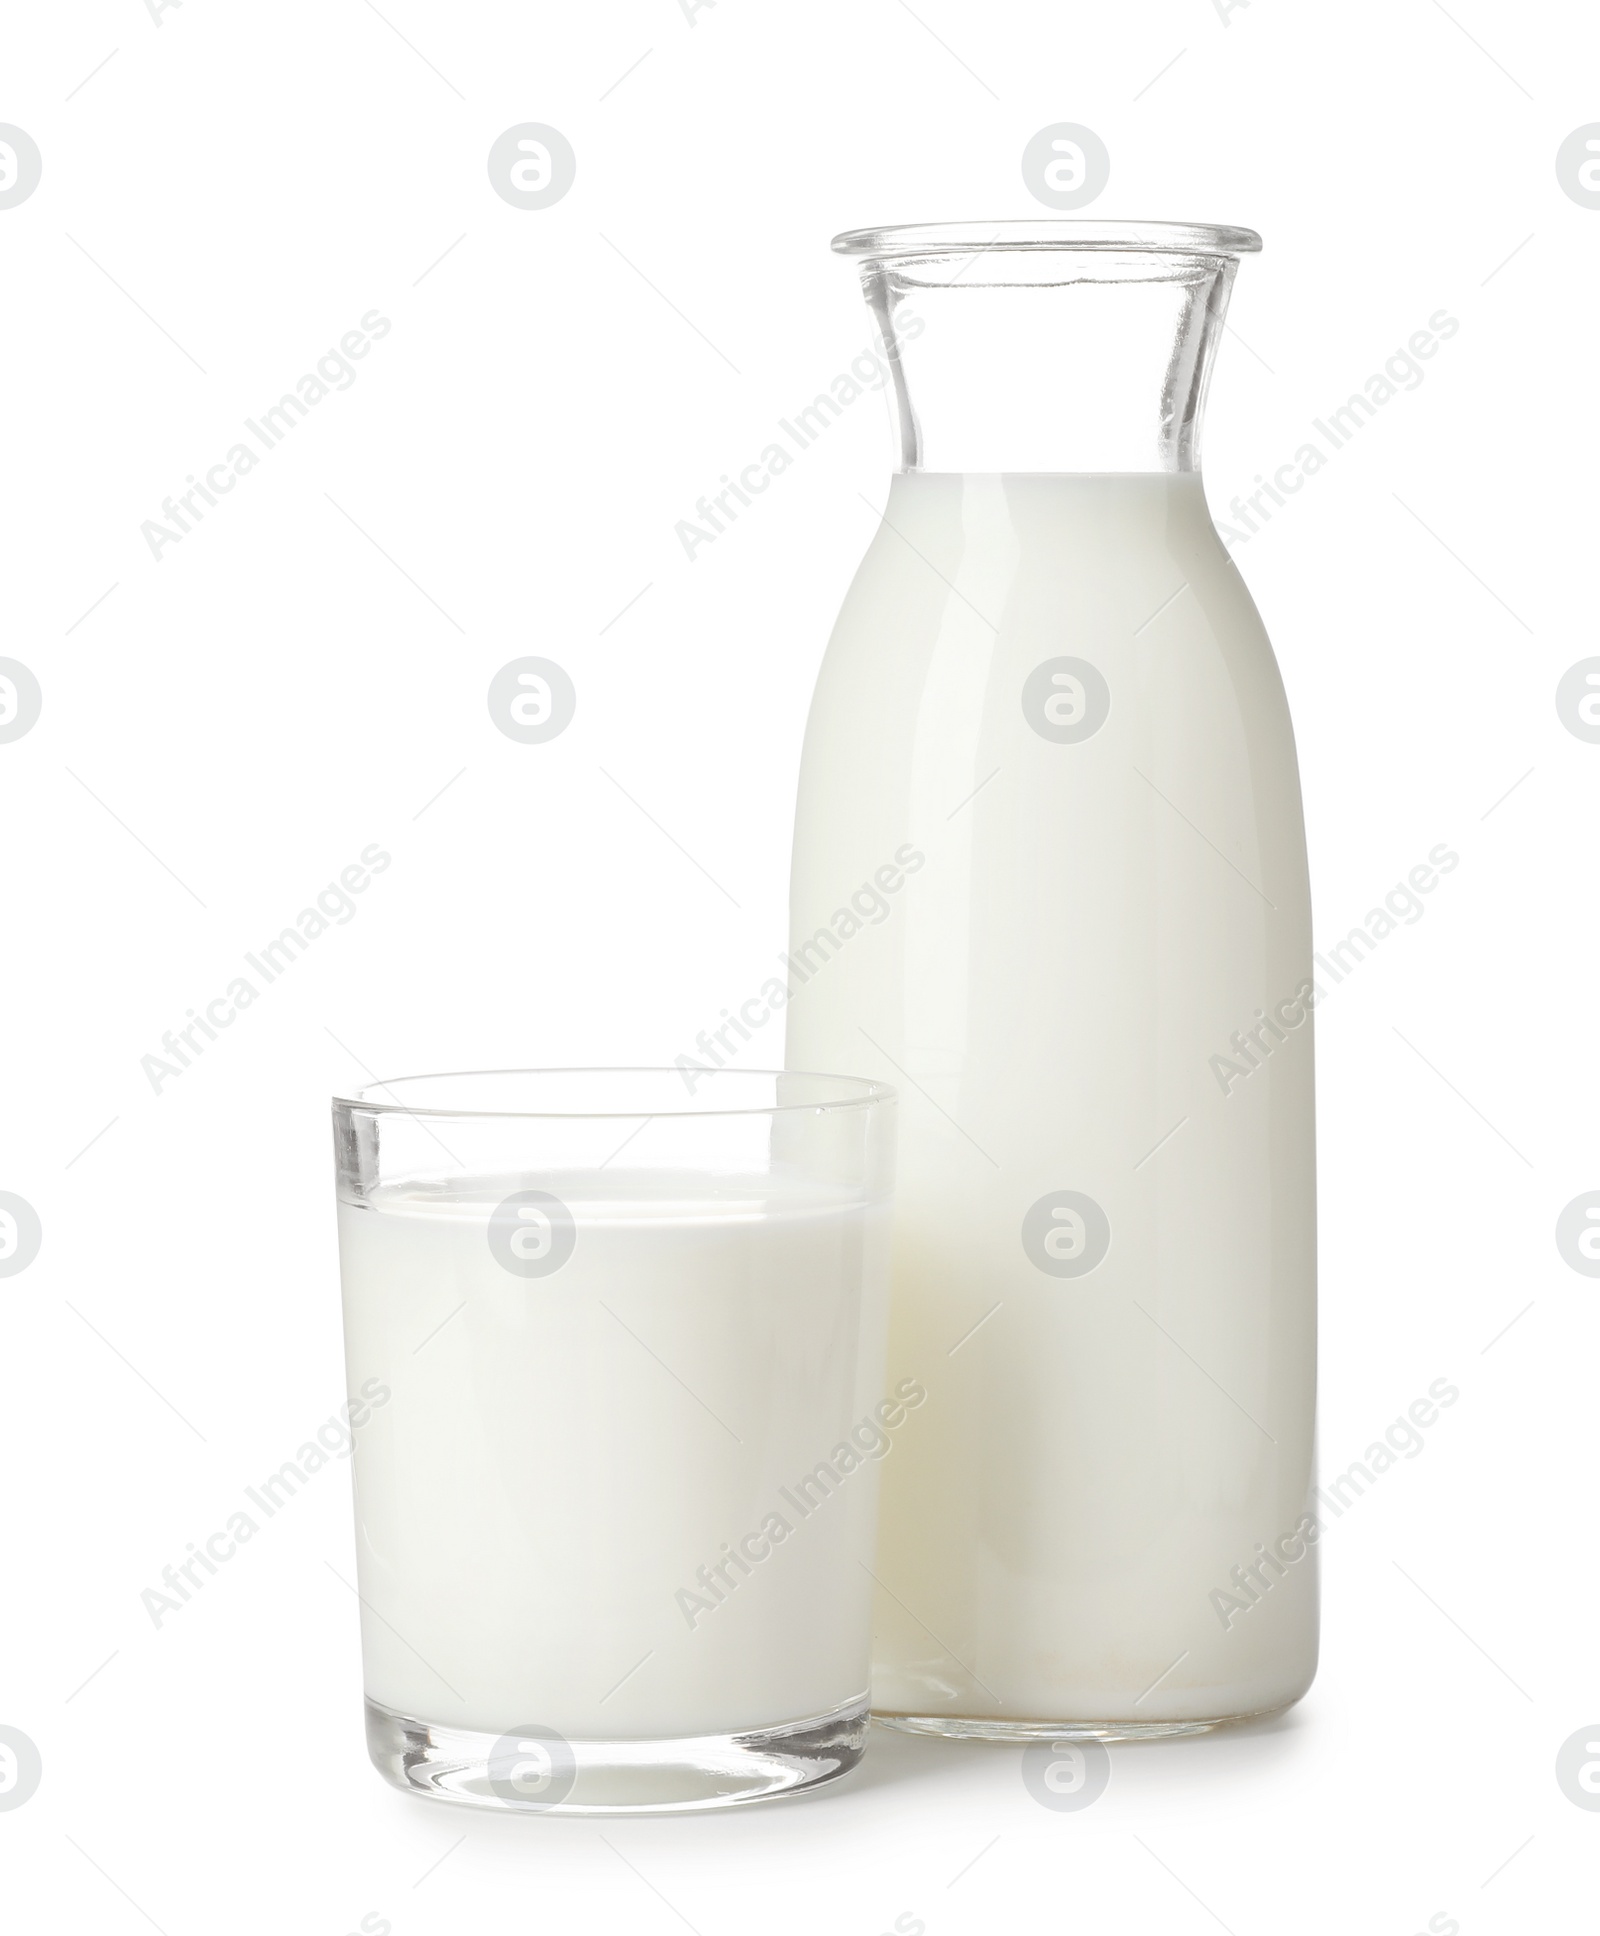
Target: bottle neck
{"type": "Point", "coordinates": [1052, 361]}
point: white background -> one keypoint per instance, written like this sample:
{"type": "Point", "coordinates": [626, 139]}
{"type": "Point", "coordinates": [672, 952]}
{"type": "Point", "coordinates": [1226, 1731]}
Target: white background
{"type": "Point", "coordinates": [303, 673]}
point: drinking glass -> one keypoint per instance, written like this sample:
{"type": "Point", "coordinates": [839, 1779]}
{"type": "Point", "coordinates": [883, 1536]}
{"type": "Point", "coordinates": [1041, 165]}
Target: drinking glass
{"type": "Point", "coordinates": [615, 1343]}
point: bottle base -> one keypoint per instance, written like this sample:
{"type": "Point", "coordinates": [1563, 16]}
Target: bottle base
{"type": "Point", "coordinates": [960, 1727]}
{"type": "Point", "coordinates": [533, 1770]}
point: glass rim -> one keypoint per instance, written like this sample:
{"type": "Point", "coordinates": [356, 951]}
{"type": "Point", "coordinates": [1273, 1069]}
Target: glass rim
{"type": "Point", "coordinates": [983, 238]}
{"type": "Point", "coordinates": [851, 1092]}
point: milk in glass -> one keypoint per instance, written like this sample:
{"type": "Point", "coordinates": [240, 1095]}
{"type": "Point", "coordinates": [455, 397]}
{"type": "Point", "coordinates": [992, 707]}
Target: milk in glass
{"type": "Point", "coordinates": [628, 1499]}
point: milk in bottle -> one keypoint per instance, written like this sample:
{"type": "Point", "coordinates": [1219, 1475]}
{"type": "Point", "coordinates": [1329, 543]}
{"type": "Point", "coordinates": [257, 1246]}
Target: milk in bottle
{"type": "Point", "coordinates": [1049, 711]}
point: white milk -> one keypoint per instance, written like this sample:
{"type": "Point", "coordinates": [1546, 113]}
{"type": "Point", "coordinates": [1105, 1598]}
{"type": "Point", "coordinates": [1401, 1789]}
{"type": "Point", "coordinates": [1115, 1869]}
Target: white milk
{"type": "Point", "coordinates": [559, 1457]}
{"type": "Point", "coordinates": [1090, 924]}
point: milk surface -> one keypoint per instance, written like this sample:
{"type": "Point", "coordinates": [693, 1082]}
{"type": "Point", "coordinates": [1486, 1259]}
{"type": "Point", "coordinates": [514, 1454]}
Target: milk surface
{"type": "Point", "coordinates": [547, 1503]}
{"type": "Point", "coordinates": [1095, 919]}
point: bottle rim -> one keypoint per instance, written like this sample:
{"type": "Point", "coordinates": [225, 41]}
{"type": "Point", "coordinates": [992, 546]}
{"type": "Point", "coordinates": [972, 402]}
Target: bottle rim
{"type": "Point", "coordinates": [924, 239]}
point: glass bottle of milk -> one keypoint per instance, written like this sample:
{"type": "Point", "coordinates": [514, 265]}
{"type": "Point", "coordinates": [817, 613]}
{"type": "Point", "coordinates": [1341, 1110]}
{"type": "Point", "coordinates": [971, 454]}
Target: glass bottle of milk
{"type": "Point", "coordinates": [1049, 731]}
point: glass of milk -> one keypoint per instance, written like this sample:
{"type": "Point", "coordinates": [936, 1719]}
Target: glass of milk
{"type": "Point", "coordinates": [615, 1346]}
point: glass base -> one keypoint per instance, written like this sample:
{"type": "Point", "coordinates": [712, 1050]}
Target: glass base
{"type": "Point", "coordinates": [959, 1727]}
{"type": "Point", "coordinates": [535, 1771]}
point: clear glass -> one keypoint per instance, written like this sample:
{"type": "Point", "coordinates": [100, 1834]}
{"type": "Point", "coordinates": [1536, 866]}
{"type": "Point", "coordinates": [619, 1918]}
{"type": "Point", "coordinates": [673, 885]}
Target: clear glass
{"type": "Point", "coordinates": [1031, 346]}
{"type": "Point", "coordinates": [1050, 700]}
{"type": "Point", "coordinates": [614, 1348]}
